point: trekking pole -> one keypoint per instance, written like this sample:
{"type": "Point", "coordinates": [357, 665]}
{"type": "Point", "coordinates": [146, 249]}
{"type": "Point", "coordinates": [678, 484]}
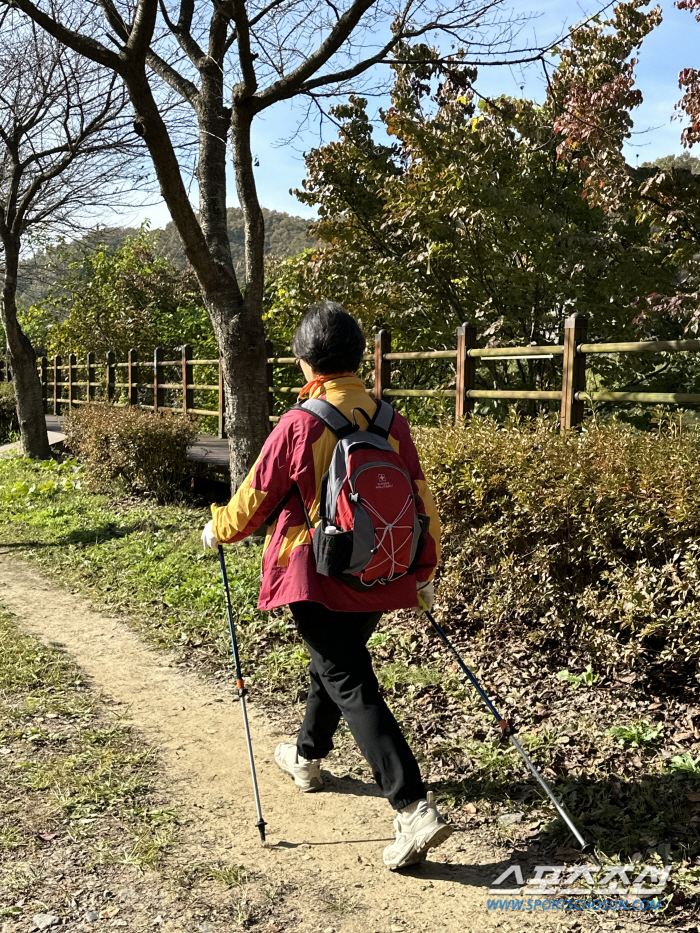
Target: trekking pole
{"type": "Point", "coordinates": [242, 693]}
{"type": "Point", "coordinates": [508, 731]}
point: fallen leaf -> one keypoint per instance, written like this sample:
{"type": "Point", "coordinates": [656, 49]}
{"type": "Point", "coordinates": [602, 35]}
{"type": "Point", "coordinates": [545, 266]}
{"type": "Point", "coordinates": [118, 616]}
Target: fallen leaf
{"type": "Point", "coordinates": [693, 796]}
{"type": "Point", "coordinates": [47, 837]}
{"type": "Point", "coordinates": [469, 808]}
{"type": "Point", "coordinates": [567, 854]}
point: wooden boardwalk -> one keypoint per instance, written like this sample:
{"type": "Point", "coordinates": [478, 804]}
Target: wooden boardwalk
{"type": "Point", "coordinates": [208, 450]}
{"type": "Point", "coordinates": [55, 435]}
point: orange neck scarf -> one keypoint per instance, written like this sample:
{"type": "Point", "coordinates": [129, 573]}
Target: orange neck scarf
{"type": "Point", "coordinates": [319, 381]}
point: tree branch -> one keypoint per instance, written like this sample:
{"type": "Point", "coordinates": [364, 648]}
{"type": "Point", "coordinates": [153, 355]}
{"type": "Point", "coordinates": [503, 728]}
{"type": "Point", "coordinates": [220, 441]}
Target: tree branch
{"type": "Point", "coordinates": [182, 30]}
{"type": "Point", "coordinates": [141, 32]}
{"type": "Point", "coordinates": [249, 84]}
{"type": "Point", "coordinates": [288, 85]}
{"type": "Point", "coordinates": [80, 43]}
{"type": "Point", "coordinates": [187, 89]}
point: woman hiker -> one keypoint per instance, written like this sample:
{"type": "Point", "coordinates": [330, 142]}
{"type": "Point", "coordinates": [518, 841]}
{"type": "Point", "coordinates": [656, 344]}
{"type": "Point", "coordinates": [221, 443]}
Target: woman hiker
{"type": "Point", "coordinates": [335, 619]}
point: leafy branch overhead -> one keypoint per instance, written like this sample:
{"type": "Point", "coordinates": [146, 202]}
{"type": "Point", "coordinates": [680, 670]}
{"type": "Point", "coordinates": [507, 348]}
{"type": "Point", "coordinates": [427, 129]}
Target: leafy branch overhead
{"type": "Point", "coordinates": [468, 213]}
{"type": "Point", "coordinates": [595, 94]}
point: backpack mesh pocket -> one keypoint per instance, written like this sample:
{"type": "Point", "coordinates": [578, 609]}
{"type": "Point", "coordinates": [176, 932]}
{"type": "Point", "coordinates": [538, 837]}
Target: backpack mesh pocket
{"type": "Point", "coordinates": [333, 552]}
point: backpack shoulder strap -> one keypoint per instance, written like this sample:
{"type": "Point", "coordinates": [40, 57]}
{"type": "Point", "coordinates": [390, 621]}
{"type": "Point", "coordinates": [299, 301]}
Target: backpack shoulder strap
{"type": "Point", "coordinates": [329, 415]}
{"type": "Point", "coordinates": [383, 419]}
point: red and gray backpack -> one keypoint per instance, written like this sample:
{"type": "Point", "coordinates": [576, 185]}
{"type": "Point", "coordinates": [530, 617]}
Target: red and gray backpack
{"type": "Point", "coordinates": [370, 529]}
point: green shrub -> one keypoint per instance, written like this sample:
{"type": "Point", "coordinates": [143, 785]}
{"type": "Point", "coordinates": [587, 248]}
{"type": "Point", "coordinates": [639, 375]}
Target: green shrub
{"type": "Point", "coordinates": [589, 539]}
{"type": "Point", "coordinates": [8, 415]}
{"type": "Point", "coordinates": [146, 452]}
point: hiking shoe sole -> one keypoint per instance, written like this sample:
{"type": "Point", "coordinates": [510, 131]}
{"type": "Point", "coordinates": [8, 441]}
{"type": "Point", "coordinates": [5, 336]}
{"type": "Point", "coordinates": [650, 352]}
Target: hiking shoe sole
{"type": "Point", "coordinates": [416, 850]}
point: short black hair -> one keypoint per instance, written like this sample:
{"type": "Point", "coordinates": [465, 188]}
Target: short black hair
{"type": "Point", "coordinates": [329, 339]}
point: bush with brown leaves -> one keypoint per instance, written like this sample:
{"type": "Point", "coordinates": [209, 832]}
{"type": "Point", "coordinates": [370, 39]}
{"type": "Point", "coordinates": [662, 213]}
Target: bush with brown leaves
{"type": "Point", "coordinates": [589, 538]}
{"type": "Point", "coordinates": [146, 452]}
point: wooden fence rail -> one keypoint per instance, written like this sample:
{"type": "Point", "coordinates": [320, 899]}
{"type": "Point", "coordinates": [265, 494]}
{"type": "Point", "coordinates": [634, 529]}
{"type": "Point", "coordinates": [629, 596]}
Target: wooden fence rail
{"type": "Point", "coordinates": [63, 382]}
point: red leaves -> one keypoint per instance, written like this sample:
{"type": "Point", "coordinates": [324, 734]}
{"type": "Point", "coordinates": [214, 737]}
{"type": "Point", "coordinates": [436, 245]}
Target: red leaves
{"type": "Point", "coordinates": [689, 78]}
{"type": "Point", "coordinates": [594, 86]}
{"type": "Point", "coordinates": [692, 6]}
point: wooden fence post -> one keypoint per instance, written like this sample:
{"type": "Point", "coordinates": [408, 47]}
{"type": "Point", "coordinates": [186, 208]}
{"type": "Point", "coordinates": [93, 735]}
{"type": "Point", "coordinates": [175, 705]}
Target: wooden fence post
{"type": "Point", "coordinates": [187, 379]}
{"type": "Point", "coordinates": [270, 379]}
{"type": "Point", "coordinates": [466, 372]}
{"type": "Point", "coordinates": [574, 374]}
{"type": "Point", "coordinates": [91, 377]}
{"type": "Point", "coordinates": [222, 406]}
{"type": "Point", "coordinates": [111, 375]}
{"type": "Point", "coordinates": [157, 391]}
{"type": "Point", "coordinates": [72, 363]}
{"type": "Point", "coordinates": [56, 383]}
{"type": "Point", "coordinates": [382, 367]}
{"type": "Point", "coordinates": [132, 377]}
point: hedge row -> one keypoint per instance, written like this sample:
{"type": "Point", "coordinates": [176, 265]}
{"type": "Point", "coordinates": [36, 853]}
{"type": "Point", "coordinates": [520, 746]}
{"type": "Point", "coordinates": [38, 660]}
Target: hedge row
{"type": "Point", "coordinates": [589, 536]}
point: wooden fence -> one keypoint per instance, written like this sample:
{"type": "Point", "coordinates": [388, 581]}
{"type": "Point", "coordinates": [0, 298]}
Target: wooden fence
{"type": "Point", "coordinates": [62, 387]}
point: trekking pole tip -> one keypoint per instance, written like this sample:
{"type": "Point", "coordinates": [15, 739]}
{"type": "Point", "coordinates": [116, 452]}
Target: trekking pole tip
{"type": "Point", "coordinates": [589, 850]}
{"type": "Point", "coordinates": [261, 824]}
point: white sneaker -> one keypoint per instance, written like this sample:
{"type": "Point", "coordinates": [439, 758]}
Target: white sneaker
{"type": "Point", "coordinates": [424, 829]}
{"type": "Point", "coordinates": [306, 774]}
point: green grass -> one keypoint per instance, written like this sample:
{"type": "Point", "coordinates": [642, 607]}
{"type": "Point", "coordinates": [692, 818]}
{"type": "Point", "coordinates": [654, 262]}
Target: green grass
{"type": "Point", "coordinates": [585, 679]}
{"type": "Point", "coordinates": [232, 876]}
{"type": "Point", "coordinates": [685, 764]}
{"type": "Point", "coordinates": [146, 561]}
{"type": "Point", "coordinates": [70, 771]}
{"type": "Point", "coordinates": [398, 673]}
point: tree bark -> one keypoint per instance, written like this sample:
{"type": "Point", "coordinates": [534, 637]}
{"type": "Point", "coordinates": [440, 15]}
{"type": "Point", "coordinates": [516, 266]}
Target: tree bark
{"type": "Point", "coordinates": [22, 358]}
{"type": "Point", "coordinates": [241, 338]}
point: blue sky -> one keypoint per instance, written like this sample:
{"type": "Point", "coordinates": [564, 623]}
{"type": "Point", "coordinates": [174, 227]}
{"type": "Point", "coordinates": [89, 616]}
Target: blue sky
{"type": "Point", "coordinates": [672, 46]}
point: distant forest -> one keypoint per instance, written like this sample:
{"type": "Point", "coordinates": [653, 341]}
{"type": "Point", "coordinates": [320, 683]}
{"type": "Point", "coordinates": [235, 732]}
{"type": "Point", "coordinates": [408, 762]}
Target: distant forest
{"type": "Point", "coordinates": [285, 235]}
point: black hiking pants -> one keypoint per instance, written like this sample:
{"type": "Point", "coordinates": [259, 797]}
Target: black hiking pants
{"type": "Point", "coordinates": [343, 683]}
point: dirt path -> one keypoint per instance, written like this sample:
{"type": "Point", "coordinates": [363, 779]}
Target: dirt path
{"type": "Point", "coordinates": [328, 845]}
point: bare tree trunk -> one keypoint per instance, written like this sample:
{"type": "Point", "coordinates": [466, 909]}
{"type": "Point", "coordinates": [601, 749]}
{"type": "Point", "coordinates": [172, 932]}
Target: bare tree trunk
{"type": "Point", "coordinates": [28, 396]}
{"type": "Point", "coordinates": [269, 70]}
{"type": "Point", "coordinates": [245, 363]}
{"type": "Point", "coordinates": [239, 333]}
